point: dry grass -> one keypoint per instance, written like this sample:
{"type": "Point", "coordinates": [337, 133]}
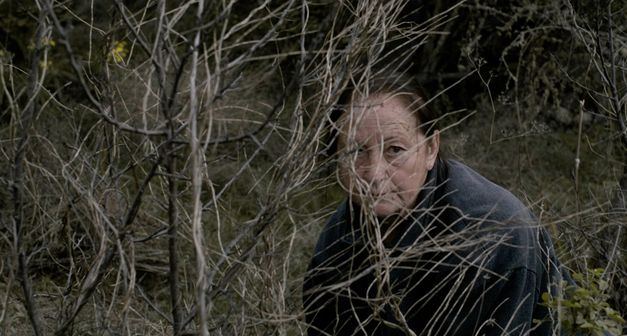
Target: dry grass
{"type": "Point", "coordinates": [180, 189]}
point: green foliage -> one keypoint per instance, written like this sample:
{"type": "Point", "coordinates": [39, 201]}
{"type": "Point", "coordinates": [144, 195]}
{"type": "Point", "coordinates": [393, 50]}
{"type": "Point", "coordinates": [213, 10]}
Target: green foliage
{"type": "Point", "coordinates": [584, 306]}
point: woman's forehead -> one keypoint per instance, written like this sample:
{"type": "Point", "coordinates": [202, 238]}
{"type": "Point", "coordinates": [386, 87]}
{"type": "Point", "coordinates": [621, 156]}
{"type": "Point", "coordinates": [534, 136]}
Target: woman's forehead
{"type": "Point", "coordinates": [379, 113]}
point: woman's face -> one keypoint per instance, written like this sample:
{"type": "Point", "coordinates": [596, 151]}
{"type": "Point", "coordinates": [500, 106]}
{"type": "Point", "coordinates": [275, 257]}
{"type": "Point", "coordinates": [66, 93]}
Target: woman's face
{"type": "Point", "coordinates": [384, 157]}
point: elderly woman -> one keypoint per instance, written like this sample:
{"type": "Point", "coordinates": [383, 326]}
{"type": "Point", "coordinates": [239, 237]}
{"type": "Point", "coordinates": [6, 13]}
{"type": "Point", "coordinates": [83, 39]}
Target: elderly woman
{"type": "Point", "coordinates": [422, 245]}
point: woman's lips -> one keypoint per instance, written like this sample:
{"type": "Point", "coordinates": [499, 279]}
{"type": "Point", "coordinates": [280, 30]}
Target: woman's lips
{"type": "Point", "coordinates": [378, 196]}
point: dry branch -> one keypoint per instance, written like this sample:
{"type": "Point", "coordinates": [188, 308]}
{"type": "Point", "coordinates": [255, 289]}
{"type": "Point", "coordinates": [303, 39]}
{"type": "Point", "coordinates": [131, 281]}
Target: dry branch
{"type": "Point", "coordinates": [18, 172]}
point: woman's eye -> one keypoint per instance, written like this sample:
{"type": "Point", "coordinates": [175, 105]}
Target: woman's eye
{"type": "Point", "coordinates": [356, 150]}
{"type": "Point", "coordinates": [395, 150]}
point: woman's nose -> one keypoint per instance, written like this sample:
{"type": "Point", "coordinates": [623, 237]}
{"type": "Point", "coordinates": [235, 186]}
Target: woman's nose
{"type": "Point", "coordinates": [375, 169]}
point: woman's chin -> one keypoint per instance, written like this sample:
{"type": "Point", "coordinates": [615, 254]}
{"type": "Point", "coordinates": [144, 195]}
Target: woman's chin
{"type": "Point", "coordinates": [386, 208]}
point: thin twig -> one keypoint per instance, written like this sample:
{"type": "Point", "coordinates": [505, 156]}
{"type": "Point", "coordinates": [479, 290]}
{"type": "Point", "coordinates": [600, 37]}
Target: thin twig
{"type": "Point", "coordinates": [196, 157]}
{"type": "Point", "coordinates": [17, 184]}
{"type": "Point", "coordinates": [578, 162]}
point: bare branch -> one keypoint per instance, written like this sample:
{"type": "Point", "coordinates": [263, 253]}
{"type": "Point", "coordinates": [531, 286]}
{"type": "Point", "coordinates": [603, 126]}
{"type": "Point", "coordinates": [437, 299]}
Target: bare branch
{"type": "Point", "coordinates": [17, 184]}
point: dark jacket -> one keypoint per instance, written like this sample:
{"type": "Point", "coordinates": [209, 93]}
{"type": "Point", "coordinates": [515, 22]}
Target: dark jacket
{"type": "Point", "coordinates": [471, 261]}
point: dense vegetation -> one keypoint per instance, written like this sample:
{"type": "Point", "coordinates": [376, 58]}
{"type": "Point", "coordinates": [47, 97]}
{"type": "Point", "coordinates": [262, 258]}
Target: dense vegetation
{"type": "Point", "coordinates": [164, 169]}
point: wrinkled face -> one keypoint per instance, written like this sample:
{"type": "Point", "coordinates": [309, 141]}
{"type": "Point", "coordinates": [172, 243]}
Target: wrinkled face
{"type": "Point", "coordinates": [384, 157]}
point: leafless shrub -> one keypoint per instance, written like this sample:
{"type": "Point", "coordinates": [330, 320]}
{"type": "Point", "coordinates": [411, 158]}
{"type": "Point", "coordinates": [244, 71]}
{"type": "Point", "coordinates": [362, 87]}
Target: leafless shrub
{"type": "Point", "coordinates": [176, 184]}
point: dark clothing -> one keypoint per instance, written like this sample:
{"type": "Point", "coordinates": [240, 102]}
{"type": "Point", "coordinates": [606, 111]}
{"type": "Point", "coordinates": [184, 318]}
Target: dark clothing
{"type": "Point", "coordinates": [471, 261]}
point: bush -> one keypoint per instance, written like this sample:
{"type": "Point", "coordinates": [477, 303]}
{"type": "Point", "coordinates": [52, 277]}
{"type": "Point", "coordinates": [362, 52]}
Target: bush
{"type": "Point", "coordinates": [583, 306]}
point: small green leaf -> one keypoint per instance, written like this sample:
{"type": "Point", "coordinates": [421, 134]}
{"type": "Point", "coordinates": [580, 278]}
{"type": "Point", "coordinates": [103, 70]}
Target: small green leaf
{"type": "Point", "coordinates": [546, 297]}
{"type": "Point", "coordinates": [578, 277]}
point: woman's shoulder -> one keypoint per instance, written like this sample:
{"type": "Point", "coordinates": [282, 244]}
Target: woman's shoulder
{"type": "Point", "coordinates": [492, 211]}
{"type": "Point", "coordinates": [476, 196]}
{"type": "Point", "coordinates": [336, 231]}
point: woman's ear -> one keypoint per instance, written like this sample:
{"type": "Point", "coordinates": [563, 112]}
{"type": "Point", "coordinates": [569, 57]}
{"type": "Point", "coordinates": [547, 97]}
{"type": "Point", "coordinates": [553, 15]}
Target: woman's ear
{"type": "Point", "coordinates": [433, 147]}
